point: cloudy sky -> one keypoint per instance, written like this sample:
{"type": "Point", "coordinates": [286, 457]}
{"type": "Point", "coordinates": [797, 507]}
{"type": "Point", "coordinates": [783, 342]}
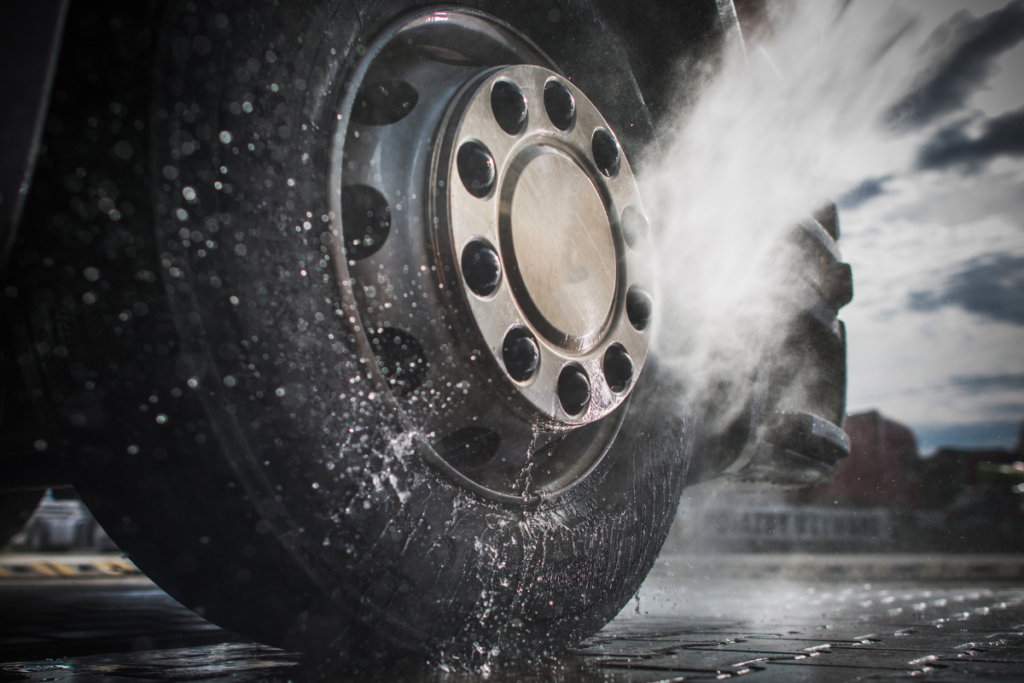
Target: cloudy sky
{"type": "Point", "coordinates": [936, 329]}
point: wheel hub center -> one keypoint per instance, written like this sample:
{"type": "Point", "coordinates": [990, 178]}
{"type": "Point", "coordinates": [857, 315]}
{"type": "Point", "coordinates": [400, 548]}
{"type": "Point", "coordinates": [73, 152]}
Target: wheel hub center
{"type": "Point", "coordinates": [562, 243]}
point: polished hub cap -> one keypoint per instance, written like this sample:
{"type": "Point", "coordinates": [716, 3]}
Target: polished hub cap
{"type": "Point", "coordinates": [562, 245]}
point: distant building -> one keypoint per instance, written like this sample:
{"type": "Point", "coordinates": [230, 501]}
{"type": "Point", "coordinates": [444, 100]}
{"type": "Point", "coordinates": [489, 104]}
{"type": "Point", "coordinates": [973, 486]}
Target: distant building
{"type": "Point", "coordinates": [881, 470]}
{"type": "Point", "coordinates": [883, 496]}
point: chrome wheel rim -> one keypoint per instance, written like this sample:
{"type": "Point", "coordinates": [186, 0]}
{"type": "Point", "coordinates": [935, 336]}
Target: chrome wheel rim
{"type": "Point", "coordinates": [490, 244]}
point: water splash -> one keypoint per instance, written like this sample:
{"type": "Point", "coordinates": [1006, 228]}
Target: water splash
{"type": "Point", "coordinates": [795, 118]}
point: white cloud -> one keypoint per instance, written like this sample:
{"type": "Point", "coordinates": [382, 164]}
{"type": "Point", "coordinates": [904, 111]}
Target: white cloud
{"type": "Point", "coordinates": [927, 230]}
{"type": "Point", "coordinates": [912, 366]}
{"type": "Point", "coordinates": [924, 231]}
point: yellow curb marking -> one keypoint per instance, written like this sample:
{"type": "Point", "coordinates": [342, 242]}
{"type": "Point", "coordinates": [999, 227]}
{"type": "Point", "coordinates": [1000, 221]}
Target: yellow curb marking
{"type": "Point", "coordinates": [51, 569]}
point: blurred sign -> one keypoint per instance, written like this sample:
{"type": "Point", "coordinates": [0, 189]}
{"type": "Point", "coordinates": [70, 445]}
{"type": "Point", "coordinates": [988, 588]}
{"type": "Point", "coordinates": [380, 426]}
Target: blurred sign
{"type": "Point", "coordinates": [794, 524]}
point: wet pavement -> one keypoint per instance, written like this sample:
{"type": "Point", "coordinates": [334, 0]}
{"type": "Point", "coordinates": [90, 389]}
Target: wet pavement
{"type": "Point", "coordinates": [696, 619]}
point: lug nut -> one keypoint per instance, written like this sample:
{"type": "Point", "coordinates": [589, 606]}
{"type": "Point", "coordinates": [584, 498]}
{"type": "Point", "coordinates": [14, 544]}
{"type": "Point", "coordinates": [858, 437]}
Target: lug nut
{"type": "Point", "coordinates": [476, 168]}
{"type": "Point", "coordinates": [634, 226]}
{"type": "Point", "coordinates": [481, 267]}
{"type": "Point", "coordinates": [639, 307]}
{"type": "Point", "coordinates": [573, 389]}
{"type": "Point", "coordinates": [559, 104]}
{"type": "Point", "coordinates": [606, 152]}
{"type": "Point", "coordinates": [520, 353]}
{"type": "Point", "coordinates": [508, 104]}
{"type": "Point", "coordinates": [618, 368]}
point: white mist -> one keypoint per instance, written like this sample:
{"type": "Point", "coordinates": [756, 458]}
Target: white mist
{"type": "Point", "coordinates": [794, 118]}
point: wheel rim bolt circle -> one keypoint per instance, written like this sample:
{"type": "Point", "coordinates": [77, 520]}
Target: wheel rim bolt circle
{"type": "Point", "coordinates": [520, 353]}
{"type": "Point", "coordinates": [509, 106]}
{"type": "Point", "coordinates": [606, 152]}
{"type": "Point", "coordinates": [488, 141]}
{"type": "Point", "coordinates": [634, 227]}
{"type": "Point", "coordinates": [481, 267]}
{"type": "Point", "coordinates": [573, 389]}
{"type": "Point", "coordinates": [559, 104]}
{"type": "Point", "coordinates": [639, 307]}
{"type": "Point", "coordinates": [618, 368]}
{"type": "Point", "coordinates": [476, 168]}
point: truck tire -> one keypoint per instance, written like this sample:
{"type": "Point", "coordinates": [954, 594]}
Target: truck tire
{"type": "Point", "coordinates": [193, 275]}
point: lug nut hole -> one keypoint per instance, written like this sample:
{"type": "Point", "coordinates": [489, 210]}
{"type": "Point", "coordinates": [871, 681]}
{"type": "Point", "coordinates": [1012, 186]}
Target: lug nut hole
{"type": "Point", "coordinates": [618, 368]}
{"type": "Point", "coordinates": [384, 103]}
{"type": "Point", "coordinates": [476, 168]}
{"type": "Point", "coordinates": [639, 307]}
{"type": "Point", "coordinates": [573, 389]}
{"type": "Point", "coordinates": [559, 104]}
{"type": "Point", "coordinates": [634, 226]}
{"type": "Point", "coordinates": [481, 267]}
{"type": "Point", "coordinates": [606, 152]}
{"type": "Point", "coordinates": [508, 104]}
{"type": "Point", "coordinates": [365, 220]}
{"type": "Point", "coordinates": [520, 353]}
{"type": "Point", "coordinates": [400, 358]}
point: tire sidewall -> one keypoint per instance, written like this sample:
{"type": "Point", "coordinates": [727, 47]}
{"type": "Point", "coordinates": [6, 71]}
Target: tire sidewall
{"type": "Point", "coordinates": [303, 479]}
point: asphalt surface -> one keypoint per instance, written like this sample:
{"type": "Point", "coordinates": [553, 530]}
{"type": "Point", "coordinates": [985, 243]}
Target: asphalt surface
{"type": "Point", "coordinates": [707, 618]}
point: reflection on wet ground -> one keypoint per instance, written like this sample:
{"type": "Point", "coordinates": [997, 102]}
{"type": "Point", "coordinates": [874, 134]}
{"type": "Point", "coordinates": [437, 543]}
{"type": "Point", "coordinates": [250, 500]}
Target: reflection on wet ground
{"type": "Point", "coordinates": [685, 625]}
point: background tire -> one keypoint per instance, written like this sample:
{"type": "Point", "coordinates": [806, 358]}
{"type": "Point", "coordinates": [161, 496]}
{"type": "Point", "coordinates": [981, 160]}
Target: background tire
{"type": "Point", "coordinates": [298, 517]}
